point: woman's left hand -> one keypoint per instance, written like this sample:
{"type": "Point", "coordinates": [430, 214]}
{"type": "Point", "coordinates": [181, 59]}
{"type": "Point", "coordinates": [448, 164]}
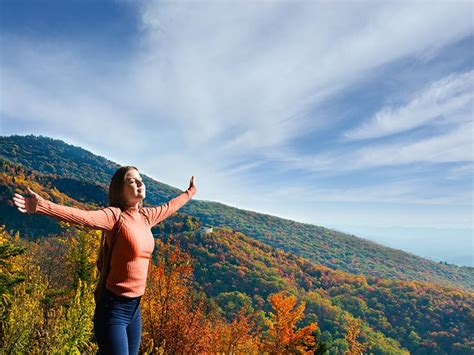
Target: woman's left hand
{"type": "Point", "coordinates": [191, 182]}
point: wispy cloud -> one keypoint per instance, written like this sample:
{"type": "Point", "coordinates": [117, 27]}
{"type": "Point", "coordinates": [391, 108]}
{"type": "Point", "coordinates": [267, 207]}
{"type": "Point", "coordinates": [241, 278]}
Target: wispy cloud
{"type": "Point", "coordinates": [225, 91]}
{"type": "Point", "coordinates": [50, 89]}
{"type": "Point", "coordinates": [462, 172]}
{"type": "Point", "coordinates": [256, 78]}
{"type": "Point", "coordinates": [447, 100]}
{"type": "Point", "coordinates": [452, 147]}
{"type": "Point", "coordinates": [413, 191]}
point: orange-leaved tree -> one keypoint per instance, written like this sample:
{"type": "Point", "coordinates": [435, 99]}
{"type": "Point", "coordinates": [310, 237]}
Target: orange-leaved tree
{"type": "Point", "coordinates": [353, 331]}
{"type": "Point", "coordinates": [174, 316]}
{"type": "Point", "coordinates": [283, 337]}
{"type": "Point", "coordinates": [177, 318]}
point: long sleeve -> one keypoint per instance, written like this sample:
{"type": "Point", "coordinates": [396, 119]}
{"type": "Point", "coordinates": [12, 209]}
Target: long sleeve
{"type": "Point", "coordinates": [99, 219]}
{"type": "Point", "coordinates": [159, 213]}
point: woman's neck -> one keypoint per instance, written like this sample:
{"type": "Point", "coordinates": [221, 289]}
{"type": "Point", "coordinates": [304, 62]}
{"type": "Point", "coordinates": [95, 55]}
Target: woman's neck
{"type": "Point", "coordinates": [134, 206]}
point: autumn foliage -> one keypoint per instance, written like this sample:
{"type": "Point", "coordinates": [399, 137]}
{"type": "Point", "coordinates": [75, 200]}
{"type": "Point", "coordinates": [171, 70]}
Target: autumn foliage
{"type": "Point", "coordinates": [357, 292]}
{"type": "Point", "coordinates": [178, 319]}
{"type": "Point", "coordinates": [48, 306]}
{"type": "Point", "coordinates": [353, 331]}
{"type": "Point", "coordinates": [283, 335]}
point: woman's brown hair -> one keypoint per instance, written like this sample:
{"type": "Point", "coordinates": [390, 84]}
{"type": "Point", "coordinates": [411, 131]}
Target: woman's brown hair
{"type": "Point", "coordinates": [116, 188]}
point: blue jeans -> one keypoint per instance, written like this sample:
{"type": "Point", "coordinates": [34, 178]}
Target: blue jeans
{"type": "Point", "coordinates": [117, 324]}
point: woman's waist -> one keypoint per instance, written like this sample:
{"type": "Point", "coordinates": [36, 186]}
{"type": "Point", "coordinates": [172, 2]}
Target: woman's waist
{"type": "Point", "coordinates": [135, 265]}
{"type": "Point", "coordinates": [119, 297]}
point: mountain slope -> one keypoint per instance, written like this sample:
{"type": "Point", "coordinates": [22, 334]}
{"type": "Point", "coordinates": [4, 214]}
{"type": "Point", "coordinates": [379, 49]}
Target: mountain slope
{"type": "Point", "coordinates": [78, 172]}
{"type": "Point", "coordinates": [423, 317]}
{"type": "Point", "coordinates": [230, 267]}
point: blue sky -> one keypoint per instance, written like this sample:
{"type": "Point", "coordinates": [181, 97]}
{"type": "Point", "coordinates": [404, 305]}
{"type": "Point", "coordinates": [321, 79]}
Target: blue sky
{"type": "Point", "coordinates": [351, 115]}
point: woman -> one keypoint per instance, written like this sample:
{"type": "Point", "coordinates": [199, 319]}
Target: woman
{"type": "Point", "coordinates": [117, 316]}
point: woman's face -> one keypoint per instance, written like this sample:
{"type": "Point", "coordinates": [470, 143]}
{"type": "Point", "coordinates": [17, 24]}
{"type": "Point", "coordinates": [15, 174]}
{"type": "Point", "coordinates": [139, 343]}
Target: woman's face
{"type": "Point", "coordinates": [133, 187]}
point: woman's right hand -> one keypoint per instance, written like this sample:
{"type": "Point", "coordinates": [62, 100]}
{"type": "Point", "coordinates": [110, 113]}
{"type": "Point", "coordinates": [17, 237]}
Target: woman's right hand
{"type": "Point", "coordinates": [28, 204]}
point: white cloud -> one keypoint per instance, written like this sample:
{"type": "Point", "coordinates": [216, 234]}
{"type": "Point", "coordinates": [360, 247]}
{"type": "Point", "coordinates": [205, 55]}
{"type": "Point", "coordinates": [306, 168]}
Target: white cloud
{"type": "Point", "coordinates": [462, 172]}
{"type": "Point", "coordinates": [449, 99]}
{"type": "Point", "coordinates": [215, 84]}
{"type": "Point", "coordinates": [411, 191]}
{"type": "Point", "coordinates": [51, 90]}
{"type": "Point", "coordinates": [455, 146]}
{"type": "Point", "coordinates": [240, 76]}
{"type": "Point", "coordinates": [257, 68]}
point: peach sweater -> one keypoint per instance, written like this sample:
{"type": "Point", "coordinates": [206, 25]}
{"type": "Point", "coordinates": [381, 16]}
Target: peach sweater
{"type": "Point", "coordinates": [134, 242]}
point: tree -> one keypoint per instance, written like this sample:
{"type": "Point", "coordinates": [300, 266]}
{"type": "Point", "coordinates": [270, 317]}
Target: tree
{"type": "Point", "coordinates": [353, 330]}
{"type": "Point", "coordinates": [9, 249]}
{"type": "Point", "coordinates": [174, 317]}
{"type": "Point", "coordinates": [283, 337]}
{"type": "Point", "coordinates": [177, 318]}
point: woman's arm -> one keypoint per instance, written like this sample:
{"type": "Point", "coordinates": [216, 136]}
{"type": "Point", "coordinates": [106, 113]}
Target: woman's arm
{"type": "Point", "coordinates": [159, 213]}
{"type": "Point", "coordinates": [99, 219]}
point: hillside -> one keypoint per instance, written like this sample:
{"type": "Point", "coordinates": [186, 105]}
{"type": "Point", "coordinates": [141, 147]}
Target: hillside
{"type": "Point", "coordinates": [85, 177]}
{"type": "Point", "coordinates": [418, 316]}
{"type": "Point", "coordinates": [235, 269]}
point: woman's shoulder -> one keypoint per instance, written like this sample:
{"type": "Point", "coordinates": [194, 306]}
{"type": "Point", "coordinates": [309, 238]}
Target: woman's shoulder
{"type": "Point", "coordinates": [115, 211]}
{"type": "Point", "coordinates": [144, 211]}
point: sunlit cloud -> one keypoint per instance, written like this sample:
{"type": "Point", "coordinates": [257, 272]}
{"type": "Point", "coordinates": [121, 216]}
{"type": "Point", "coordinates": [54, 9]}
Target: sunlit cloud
{"type": "Point", "coordinates": [228, 91]}
{"type": "Point", "coordinates": [449, 100]}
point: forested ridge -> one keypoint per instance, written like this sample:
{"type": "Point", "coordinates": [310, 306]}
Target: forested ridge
{"type": "Point", "coordinates": [423, 317]}
{"type": "Point", "coordinates": [228, 277]}
{"type": "Point", "coordinates": [79, 173]}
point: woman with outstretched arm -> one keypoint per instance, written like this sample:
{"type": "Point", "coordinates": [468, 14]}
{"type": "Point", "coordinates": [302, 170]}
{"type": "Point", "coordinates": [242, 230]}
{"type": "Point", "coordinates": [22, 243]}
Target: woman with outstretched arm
{"type": "Point", "coordinates": [117, 316]}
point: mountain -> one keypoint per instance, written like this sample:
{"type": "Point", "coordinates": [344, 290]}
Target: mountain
{"type": "Point", "coordinates": [396, 315]}
{"type": "Point", "coordinates": [398, 309]}
{"type": "Point", "coordinates": [84, 176]}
